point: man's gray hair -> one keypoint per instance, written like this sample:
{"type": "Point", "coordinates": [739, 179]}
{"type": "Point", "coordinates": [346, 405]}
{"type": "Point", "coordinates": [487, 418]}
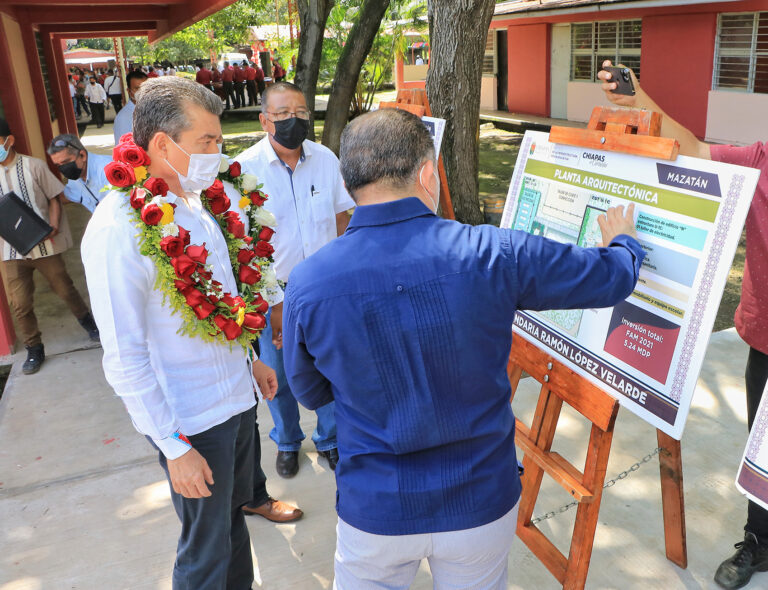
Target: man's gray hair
{"type": "Point", "coordinates": [66, 141]}
{"type": "Point", "coordinates": [161, 106]}
{"type": "Point", "coordinates": [388, 146]}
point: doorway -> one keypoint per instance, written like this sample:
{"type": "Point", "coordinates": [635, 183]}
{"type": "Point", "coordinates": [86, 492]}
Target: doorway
{"type": "Point", "coordinates": [560, 69]}
{"type": "Point", "coordinates": [502, 70]}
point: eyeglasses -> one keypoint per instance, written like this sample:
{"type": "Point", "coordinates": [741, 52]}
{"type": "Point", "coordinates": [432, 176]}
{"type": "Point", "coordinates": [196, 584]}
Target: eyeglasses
{"type": "Point", "coordinates": [284, 115]}
{"type": "Point", "coordinates": [62, 143]}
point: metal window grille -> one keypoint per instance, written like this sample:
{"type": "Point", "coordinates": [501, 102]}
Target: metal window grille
{"type": "Point", "coordinates": [741, 52]}
{"type": "Point", "coordinates": [489, 57]}
{"type": "Point", "coordinates": [593, 43]}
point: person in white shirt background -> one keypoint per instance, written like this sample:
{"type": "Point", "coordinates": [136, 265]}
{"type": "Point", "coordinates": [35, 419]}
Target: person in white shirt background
{"type": "Point", "coordinates": [84, 171]}
{"type": "Point", "coordinates": [124, 119]}
{"type": "Point", "coordinates": [97, 98]}
{"type": "Point", "coordinates": [308, 198]}
{"type": "Point", "coordinates": [114, 89]}
{"type": "Point", "coordinates": [73, 95]}
{"type": "Point", "coordinates": [176, 386]}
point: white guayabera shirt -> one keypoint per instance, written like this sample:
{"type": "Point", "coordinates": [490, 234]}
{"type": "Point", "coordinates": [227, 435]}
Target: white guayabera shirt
{"type": "Point", "coordinates": [168, 382]}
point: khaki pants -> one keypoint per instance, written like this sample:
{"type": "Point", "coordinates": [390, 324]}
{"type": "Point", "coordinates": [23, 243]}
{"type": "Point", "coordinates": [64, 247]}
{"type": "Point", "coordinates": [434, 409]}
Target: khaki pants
{"type": "Point", "coordinates": [21, 289]}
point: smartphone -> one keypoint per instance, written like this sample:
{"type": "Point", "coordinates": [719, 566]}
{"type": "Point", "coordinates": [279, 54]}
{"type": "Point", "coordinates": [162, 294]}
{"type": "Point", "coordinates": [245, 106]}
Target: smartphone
{"type": "Point", "coordinates": [623, 79]}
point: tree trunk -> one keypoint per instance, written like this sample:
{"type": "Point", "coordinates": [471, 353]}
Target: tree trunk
{"type": "Point", "coordinates": [348, 69]}
{"type": "Point", "coordinates": [457, 31]}
{"type": "Point", "coordinates": [312, 18]}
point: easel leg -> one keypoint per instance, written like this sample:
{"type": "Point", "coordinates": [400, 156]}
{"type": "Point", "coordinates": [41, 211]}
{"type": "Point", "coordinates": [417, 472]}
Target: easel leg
{"type": "Point", "coordinates": [672, 500]}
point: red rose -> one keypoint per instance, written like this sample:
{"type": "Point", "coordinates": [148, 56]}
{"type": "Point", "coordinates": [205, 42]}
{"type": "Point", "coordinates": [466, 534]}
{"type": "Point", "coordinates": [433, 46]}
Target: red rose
{"type": "Point", "coordinates": [198, 253]}
{"type": "Point", "coordinates": [245, 256]}
{"type": "Point", "coordinates": [266, 234]}
{"type": "Point", "coordinates": [261, 305]}
{"type": "Point", "coordinates": [263, 249]}
{"type": "Point", "coordinates": [248, 240]}
{"type": "Point", "coordinates": [138, 196]}
{"type": "Point", "coordinates": [254, 322]}
{"type": "Point", "coordinates": [182, 284]}
{"type": "Point", "coordinates": [184, 235]}
{"type": "Point", "coordinates": [258, 198]}
{"type": "Point", "coordinates": [126, 137]}
{"type": "Point", "coordinates": [236, 227]}
{"type": "Point", "coordinates": [157, 186]}
{"type": "Point", "coordinates": [234, 169]}
{"type": "Point", "coordinates": [151, 214]}
{"type": "Point", "coordinates": [193, 296]}
{"type": "Point", "coordinates": [229, 327]}
{"type": "Point", "coordinates": [203, 310]}
{"type": "Point", "coordinates": [228, 300]}
{"type": "Point", "coordinates": [119, 174]}
{"type": "Point", "coordinates": [131, 154]}
{"type": "Point", "coordinates": [172, 246]}
{"type": "Point", "coordinates": [218, 201]}
{"type": "Point", "coordinates": [248, 275]}
{"type": "Point", "coordinates": [184, 266]}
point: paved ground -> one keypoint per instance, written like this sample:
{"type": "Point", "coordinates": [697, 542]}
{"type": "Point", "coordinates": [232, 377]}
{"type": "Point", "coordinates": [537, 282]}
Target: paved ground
{"type": "Point", "coordinates": [83, 504]}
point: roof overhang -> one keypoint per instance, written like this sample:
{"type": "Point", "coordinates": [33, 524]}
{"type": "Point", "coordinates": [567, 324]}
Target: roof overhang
{"type": "Point", "coordinates": [536, 8]}
{"type": "Point", "coordinates": [157, 19]}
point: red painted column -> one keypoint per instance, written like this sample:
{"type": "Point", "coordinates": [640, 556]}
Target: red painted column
{"type": "Point", "coordinates": [528, 69]}
{"type": "Point", "coordinates": [36, 76]}
{"type": "Point", "coordinates": [54, 54]}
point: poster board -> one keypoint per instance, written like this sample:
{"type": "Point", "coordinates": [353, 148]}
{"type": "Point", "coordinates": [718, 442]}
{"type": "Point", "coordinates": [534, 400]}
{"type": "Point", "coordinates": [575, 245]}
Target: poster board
{"type": "Point", "coordinates": [752, 478]}
{"type": "Point", "coordinates": [647, 351]}
{"type": "Point", "coordinates": [436, 129]}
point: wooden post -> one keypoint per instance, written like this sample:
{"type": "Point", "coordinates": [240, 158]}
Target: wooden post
{"type": "Point", "coordinates": [672, 498]}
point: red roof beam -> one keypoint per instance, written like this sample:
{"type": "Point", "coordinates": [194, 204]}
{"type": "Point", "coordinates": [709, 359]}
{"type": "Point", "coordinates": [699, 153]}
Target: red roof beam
{"type": "Point", "coordinates": [182, 16]}
{"type": "Point", "coordinates": [141, 28]}
{"type": "Point", "coordinates": [97, 14]}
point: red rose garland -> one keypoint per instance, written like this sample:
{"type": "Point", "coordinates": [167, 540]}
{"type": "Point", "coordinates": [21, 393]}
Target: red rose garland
{"type": "Point", "coordinates": [186, 281]}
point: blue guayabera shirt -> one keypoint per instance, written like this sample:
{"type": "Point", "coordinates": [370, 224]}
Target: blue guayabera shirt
{"type": "Point", "coordinates": [406, 322]}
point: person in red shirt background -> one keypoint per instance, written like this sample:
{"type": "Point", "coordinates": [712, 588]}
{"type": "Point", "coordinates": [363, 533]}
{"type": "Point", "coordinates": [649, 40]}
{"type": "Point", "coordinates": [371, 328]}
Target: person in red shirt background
{"type": "Point", "coordinates": [203, 76]}
{"type": "Point", "coordinates": [751, 316]}
{"type": "Point", "coordinates": [260, 83]}
{"type": "Point", "coordinates": [152, 73]}
{"type": "Point", "coordinates": [239, 83]}
{"type": "Point", "coordinates": [227, 77]}
{"type": "Point", "coordinates": [250, 83]}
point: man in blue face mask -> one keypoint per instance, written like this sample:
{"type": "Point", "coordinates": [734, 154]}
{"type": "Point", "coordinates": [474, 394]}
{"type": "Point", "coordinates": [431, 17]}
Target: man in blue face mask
{"type": "Point", "coordinates": [193, 399]}
{"type": "Point", "coordinates": [308, 198]}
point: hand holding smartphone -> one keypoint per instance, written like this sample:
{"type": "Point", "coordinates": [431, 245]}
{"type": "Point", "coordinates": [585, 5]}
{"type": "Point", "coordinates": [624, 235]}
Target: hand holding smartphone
{"type": "Point", "coordinates": [623, 79]}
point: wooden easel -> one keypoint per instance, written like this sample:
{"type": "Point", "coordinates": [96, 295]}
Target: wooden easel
{"type": "Point", "coordinates": [415, 101]}
{"type": "Point", "coordinates": [633, 132]}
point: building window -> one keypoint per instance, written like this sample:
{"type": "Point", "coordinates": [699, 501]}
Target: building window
{"type": "Point", "coordinates": [489, 57]}
{"type": "Point", "coordinates": [741, 55]}
{"type": "Point", "coordinates": [593, 43]}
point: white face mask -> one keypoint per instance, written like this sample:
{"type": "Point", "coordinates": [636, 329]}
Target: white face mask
{"type": "Point", "coordinates": [436, 197]}
{"type": "Point", "coordinates": [202, 171]}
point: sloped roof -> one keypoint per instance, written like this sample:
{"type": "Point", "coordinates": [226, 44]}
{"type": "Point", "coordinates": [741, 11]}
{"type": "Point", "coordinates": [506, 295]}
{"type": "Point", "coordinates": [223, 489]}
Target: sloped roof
{"type": "Point", "coordinates": [516, 6]}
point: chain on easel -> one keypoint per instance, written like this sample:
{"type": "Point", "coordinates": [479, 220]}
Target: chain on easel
{"type": "Point", "coordinates": [608, 484]}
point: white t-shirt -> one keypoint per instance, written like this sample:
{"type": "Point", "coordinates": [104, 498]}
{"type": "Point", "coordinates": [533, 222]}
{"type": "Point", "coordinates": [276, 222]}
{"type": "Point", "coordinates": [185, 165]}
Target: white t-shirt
{"type": "Point", "coordinates": [305, 201]}
{"type": "Point", "coordinates": [113, 85]}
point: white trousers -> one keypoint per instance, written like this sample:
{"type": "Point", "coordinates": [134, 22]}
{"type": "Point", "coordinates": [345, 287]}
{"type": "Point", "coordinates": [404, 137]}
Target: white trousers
{"type": "Point", "coordinates": [470, 559]}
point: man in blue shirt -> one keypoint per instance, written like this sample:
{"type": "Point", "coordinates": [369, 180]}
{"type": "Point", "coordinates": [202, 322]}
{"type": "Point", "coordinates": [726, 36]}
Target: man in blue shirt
{"type": "Point", "coordinates": [84, 172]}
{"type": "Point", "coordinates": [406, 323]}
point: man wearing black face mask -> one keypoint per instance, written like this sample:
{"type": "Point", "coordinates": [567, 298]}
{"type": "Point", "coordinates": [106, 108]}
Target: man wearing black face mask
{"type": "Point", "coordinates": [308, 198]}
{"type": "Point", "coordinates": [84, 172]}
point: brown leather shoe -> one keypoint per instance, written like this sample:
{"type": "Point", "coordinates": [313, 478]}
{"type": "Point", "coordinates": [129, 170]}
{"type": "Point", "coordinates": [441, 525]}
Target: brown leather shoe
{"type": "Point", "coordinates": [276, 511]}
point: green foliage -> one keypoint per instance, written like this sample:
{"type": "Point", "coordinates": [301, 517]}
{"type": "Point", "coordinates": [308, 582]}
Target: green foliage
{"type": "Point", "coordinates": [102, 43]}
{"type": "Point", "coordinates": [401, 16]}
{"type": "Point", "coordinates": [219, 32]}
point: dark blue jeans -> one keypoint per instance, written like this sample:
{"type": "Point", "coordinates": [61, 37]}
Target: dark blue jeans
{"type": "Point", "coordinates": [214, 550]}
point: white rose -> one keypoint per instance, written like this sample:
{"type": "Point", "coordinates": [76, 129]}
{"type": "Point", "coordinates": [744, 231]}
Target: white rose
{"type": "Point", "coordinates": [170, 229]}
{"type": "Point", "coordinates": [223, 165]}
{"type": "Point", "coordinates": [264, 217]}
{"type": "Point", "coordinates": [250, 182]}
{"type": "Point", "coordinates": [269, 277]}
